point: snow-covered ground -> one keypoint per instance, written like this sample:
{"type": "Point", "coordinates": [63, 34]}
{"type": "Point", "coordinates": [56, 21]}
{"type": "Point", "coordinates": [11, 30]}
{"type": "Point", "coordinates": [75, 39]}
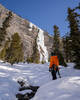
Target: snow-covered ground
{"type": "Point", "coordinates": [65, 88]}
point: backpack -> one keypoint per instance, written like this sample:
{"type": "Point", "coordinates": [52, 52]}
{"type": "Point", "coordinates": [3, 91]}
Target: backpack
{"type": "Point", "coordinates": [54, 67]}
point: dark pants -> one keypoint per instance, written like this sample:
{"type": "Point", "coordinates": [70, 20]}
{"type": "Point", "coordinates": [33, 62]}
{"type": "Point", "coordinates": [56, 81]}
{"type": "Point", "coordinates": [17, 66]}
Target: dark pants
{"type": "Point", "coordinates": [53, 72]}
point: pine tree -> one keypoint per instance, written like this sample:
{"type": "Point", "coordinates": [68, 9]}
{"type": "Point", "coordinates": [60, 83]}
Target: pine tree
{"type": "Point", "coordinates": [72, 23]}
{"type": "Point", "coordinates": [36, 55]}
{"type": "Point", "coordinates": [3, 51]}
{"type": "Point", "coordinates": [67, 48]}
{"type": "Point", "coordinates": [4, 27]}
{"type": "Point", "coordinates": [57, 45]}
{"type": "Point", "coordinates": [56, 38]}
{"type": "Point", "coordinates": [74, 36]}
{"type": "Point", "coordinates": [15, 52]}
{"type": "Point", "coordinates": [35, 58]}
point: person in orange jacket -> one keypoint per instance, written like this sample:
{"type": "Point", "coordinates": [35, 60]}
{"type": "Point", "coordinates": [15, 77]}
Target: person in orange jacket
{"type": "Point", "coordinates": [53, 67]}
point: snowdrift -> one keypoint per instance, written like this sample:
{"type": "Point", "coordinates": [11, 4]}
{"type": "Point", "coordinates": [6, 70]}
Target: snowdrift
{"type": "Point", "coordinates": [62, 89]}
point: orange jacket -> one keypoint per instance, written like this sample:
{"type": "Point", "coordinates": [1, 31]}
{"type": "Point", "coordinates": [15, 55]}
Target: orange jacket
{"type": "Point", "coordinates": [54, 60]}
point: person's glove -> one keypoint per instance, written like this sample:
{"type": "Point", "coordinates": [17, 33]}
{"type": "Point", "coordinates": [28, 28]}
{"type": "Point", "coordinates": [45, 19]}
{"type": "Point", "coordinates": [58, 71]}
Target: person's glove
{"type": "Point", "coordinates": [50, 69]}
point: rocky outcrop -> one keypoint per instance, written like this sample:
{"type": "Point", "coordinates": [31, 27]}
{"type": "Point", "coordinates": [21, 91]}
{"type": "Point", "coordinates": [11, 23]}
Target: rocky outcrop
{"type": "Point", "coordinates": [26, 91]}
{"type": "Point", "coordinates": [27, 31]}
{"type": "Point", "coordinates": [48, 40]}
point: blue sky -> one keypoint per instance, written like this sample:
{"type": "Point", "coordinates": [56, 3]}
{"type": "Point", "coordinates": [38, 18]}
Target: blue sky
{"type": "Point", "coordinates": [43, 13]}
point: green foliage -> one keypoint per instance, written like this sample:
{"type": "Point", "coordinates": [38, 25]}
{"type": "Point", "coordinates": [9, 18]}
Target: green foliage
{"type": "Point", "coordinates": [61, 59]}
{"type": "Point", "coordinates": [76, 50]}
{"type": "Point", "coordinates": [4, 27]}
{"type": "Point", "coordinates": [77, 66]}
{"type": "Point", "coordinates": [72, 22]}
{"type": "Point", "coordinates": [29, 60]}
{"type": "Point", "coordinates": [74, 35]}
{"type": "Point", "coordinates": [2, 54]}
{"type": "Point", "coordinates": [36, 55]}
{"type": "Point", "coordinates": [35, 58]}
{"type": "Point", "coordinates": [15, 52]}
{"type": "Point", "coordinates": [67, 49]}
{"type": "Point", "coordinates": [3, 51]}
{"type": "Point", "coordinates": [43, 62]}
{"type": "Point", "coordinates": [56, 46]}
{"type": "Point", "coordinates": [56, 41]}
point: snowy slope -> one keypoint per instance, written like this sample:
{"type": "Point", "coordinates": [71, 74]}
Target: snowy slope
{"type": "Point", "coordinates": [62, 89]}
{"type": "Point", "coordinates": [34, 74]}
{"type": "Point", "coordinates": [66, 88]}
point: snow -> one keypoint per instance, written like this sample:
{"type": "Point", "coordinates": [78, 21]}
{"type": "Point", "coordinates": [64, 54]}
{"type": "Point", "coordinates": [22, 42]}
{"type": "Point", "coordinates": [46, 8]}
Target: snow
{"type": "Point", "coordinates": [31, 25]}
{"type": "Point", "coordinates": [65, 88]}
{"type": "Point", "coordinates": [40, 42]}
{"type": "Point", "coordinates": [41, 47]}
{"type": "Point", "coordinates": [25, 91]}
{"type": "Point", "coordinates": [61, 89]}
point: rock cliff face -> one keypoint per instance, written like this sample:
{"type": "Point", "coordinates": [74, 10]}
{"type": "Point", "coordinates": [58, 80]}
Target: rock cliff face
{"type": "Point", "coordinates": [28, 33]}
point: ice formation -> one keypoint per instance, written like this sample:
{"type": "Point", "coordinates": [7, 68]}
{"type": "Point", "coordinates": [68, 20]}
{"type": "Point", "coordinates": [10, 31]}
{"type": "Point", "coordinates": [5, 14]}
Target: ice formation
{"type": "Point", "coordinates": [41, 47]}
{"type": "Point", "coordinates": [40, 43]}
